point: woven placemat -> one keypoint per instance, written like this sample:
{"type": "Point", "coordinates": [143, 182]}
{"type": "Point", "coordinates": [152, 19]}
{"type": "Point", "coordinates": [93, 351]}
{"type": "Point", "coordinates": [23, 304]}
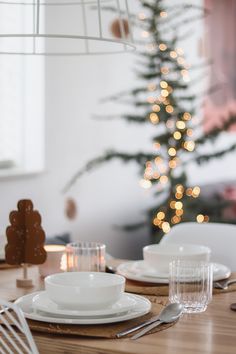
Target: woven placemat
{"type": "Point", "coordinates": [163, 289]}
{"type": "Point", "coordinates": [99, 331]}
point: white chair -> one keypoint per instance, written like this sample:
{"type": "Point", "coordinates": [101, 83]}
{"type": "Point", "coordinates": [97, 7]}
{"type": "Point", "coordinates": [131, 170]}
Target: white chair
{"type": "Point", "coordinates": [221, 238]}
{"type": "Point", "coordinates": [15, 335]}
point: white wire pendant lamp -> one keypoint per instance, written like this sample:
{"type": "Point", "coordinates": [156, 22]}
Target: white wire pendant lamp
{"type": "Point", "coordinates": [65, 27]}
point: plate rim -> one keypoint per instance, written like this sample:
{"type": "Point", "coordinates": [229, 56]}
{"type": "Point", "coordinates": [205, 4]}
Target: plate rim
{"type": "Point", "coordinates": [156, 280]}
{"type": "Point", "coordinates": [84, 313]}
{"type": "Point", "coordinates": [130, 314]}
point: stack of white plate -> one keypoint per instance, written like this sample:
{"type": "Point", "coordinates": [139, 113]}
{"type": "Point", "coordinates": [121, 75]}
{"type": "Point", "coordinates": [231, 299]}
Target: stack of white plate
{"type": "Point", "coordinates": [81, 309]}
{"type": "Point", "coordinates": [140, 271]}
{"type": "Point", "coordinates": [39, 307]}
{"type": "Point", "coordinates": [155, 266]}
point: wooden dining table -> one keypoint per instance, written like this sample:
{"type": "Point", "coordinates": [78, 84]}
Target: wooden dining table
{"type": "Point", "coordinates": [213, 331]}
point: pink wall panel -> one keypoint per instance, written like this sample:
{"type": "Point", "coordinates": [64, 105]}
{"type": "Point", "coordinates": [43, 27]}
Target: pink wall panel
{"type": "Point", "coordinates": [221, 50]}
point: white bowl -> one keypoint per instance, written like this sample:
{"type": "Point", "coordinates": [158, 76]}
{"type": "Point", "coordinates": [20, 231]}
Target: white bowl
{"type": "Point", "coordinates": [159, 256]}
{"type": "Point", "coordinates": [84, 290]}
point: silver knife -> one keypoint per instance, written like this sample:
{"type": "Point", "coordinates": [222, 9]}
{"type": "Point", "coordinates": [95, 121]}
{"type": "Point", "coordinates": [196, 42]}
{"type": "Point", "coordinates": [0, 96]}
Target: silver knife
{"type": "Point", "coordinates": [135, 328]}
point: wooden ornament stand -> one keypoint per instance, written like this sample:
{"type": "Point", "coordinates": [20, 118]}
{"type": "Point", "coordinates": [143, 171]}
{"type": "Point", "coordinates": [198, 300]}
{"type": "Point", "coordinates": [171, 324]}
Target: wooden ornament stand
{"type": "Point", "coordinates": [25, 282]}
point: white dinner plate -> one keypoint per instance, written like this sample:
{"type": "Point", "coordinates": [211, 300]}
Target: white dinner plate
{"type": "Point", "coordinates": [140, 271]}
{"type": "Point", "coordinates": [42, 302]}
{"type": "Point", "coordinates": [141, 308]}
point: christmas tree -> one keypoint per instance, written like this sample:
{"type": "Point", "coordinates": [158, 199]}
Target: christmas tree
{"type": "Point", "coordinates": [165, 100]}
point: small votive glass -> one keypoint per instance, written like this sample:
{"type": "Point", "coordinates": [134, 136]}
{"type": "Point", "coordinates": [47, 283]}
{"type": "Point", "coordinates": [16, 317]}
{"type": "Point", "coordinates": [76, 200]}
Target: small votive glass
{"type": "Point", "coordinates": [85, 256]}
{"type": "Point", "coordinates": [190, 283]}
{"type": "Point", "coordinates": [53, 262]}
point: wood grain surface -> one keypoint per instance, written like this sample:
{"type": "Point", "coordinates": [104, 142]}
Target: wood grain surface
{"type": "Point", "coordinates": [213, 331]}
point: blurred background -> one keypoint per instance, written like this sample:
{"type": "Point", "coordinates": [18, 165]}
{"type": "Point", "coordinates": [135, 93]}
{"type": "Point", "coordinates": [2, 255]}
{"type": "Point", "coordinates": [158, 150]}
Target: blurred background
{"type": "Point", "coordinates": [59, 113]}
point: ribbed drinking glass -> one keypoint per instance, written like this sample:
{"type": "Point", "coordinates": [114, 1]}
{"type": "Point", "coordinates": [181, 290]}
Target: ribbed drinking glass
{"type": "Point", "coordinates": [85, 256]}
{"type": "Point", "coordinates": [190, 284]}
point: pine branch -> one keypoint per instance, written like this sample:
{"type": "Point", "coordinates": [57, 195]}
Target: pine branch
{"type": "Point", "coordinates": [216, 131]}
{"type": "Point", "coordinates": [133, 227]}
{"type": "Point", "coordinates": [206, 157]}
{"type": "Point", "coordinates": [162, 138]}
{"type": "Point", "coordinates": [185, 98]}
{"type": "Point", "coordinates": [119, 95]}
{"type": "Point", "coordinates": [131, 118]}
{"type": "Point", "coordinates": [185, 22]}
{"type": "Point", "coordinates": [187, 6]}
{"type": "Point", "coordinates": [138, 157]}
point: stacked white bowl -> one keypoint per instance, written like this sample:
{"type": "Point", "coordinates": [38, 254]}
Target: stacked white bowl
{"type": "Point", "coordinates": [159, 256]}
{"type": "Point", "coordinates": [84, 290]}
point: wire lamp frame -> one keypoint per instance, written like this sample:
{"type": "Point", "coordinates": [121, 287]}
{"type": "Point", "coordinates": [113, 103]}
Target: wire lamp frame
{"type": "Point", "coordinates": [65, 27]}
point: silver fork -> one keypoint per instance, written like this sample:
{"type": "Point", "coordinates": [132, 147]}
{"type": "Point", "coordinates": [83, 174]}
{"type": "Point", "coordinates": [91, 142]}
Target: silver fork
{"type": "Point", "coordinates": [223, 285]}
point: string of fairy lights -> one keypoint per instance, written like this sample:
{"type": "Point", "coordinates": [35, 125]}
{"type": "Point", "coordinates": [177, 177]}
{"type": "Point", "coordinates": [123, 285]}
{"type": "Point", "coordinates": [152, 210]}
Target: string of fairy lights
{"type": "Point", "coordinates": [179, 127]}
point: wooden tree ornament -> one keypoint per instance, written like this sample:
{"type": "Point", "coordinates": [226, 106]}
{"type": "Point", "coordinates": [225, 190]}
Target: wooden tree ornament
{"type": "Point", "coordinates": [25, 238]}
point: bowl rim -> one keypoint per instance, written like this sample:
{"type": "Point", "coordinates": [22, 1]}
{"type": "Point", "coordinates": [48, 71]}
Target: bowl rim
{"type": "Point", "coordinates": [202, 249]}
{"type": "Point", "coordinates": [49, 280]}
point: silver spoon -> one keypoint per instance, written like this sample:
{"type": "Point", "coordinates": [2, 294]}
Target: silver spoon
{"type": "Point", "coordinates": [169, 314]}
{"type": "Point", "coordinates": [223, 285]}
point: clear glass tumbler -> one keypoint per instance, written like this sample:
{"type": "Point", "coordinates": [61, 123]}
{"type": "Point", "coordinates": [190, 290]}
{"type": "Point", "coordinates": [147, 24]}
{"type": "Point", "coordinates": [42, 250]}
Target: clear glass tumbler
{"type": "Point", "coordinates": [190, 284]}
{"type": "Point", "coordinates": [85, 256]}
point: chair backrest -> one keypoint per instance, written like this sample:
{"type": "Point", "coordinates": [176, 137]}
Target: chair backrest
{"type": "Point", "coordinates": [15, 335]}
{"type": "Point", "coordinates": [221, 238]}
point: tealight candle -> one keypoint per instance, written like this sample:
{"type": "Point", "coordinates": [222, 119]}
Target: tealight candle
{"type": "Point", "coordinates": [53, 262]}
{"type": "Point", "coordinates": [85, 256]}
